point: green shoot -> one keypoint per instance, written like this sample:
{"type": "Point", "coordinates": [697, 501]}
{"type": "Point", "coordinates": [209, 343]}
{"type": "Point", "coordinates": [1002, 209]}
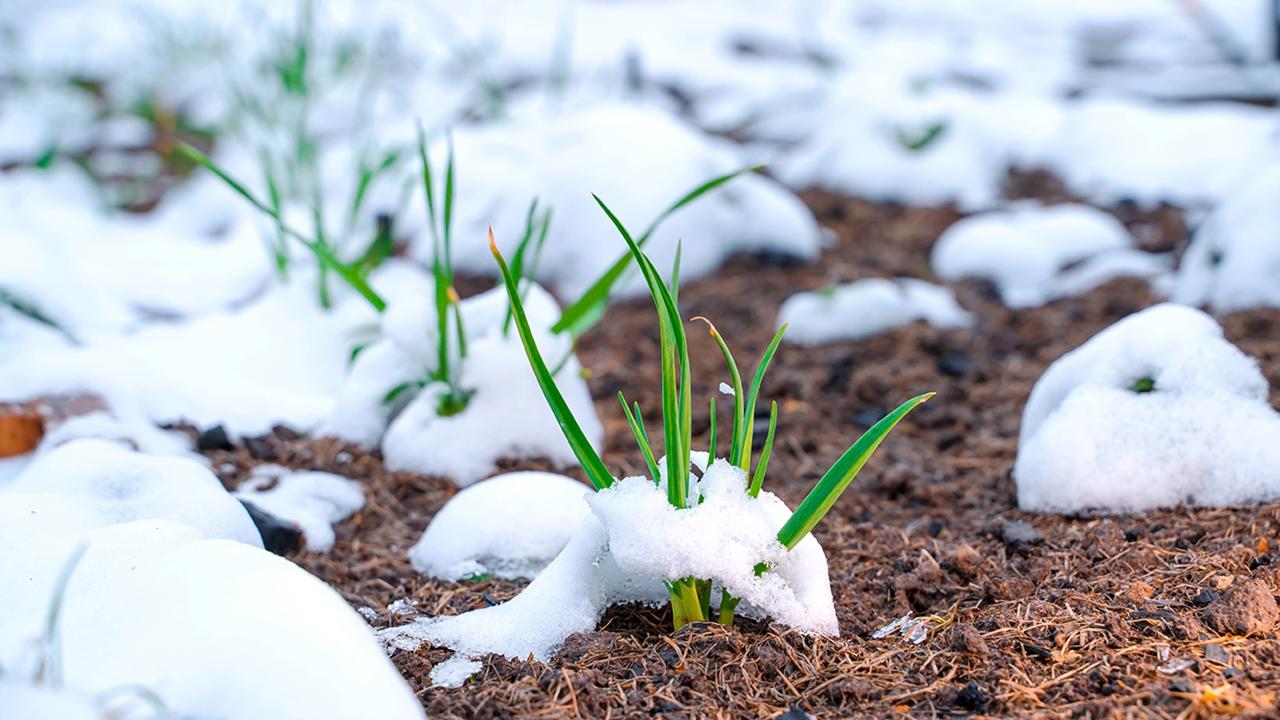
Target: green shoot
{"type": "Point", "coordinates": [636, 421]}
{"type": "Point", "coordinates": [1143, 385]}
{"type": "Point", "coordinates": [837, 478]}
{"type": "Point", "coordinates": [522, 265]}
{"type": "Point", "coordinates": [690, 597]}
{"type": "Point", "coordinates": [917, 141]}
{"type": "Point", "coordinates": [49, 667]}
{"type": "Point", "coordinates": [711, 444]}
{"type": "Point", "coordinates": [324, 254]}
{"type": "Point", "coordinates": [587, 310]}
{"type": "Point", "coordinates": [590, 461]}
{"type": "Point", "coordinates": [762, 466]}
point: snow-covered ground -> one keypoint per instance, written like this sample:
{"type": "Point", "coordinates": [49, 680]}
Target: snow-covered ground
{"type": "Point", "coordinates": [150, 285]}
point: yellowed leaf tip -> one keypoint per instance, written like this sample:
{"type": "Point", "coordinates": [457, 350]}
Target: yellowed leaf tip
{"type": "Point", "coordinates": [928, 396]}
{"type": "Point", "coordinates": [493, 244]}
{"type": "Point", "coordinates": [453, 295]}
{"type": "Point", "coordinates": [710, 328]}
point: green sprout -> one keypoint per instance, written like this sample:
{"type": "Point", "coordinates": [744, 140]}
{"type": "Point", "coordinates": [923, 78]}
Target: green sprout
{"type": "Point", "coordinates": [916, 141]}
{"type": "Point", "coordinates": [690, 597]}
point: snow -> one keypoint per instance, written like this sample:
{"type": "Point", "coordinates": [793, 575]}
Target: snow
{"type": "Point", "coordinates": [162, 586]}
{"type": "Point", "coordinates": [113, 484]}
{"type": "Point", "coordinates": [312, 500]}
{"type": "Point", "coordinates": [1233, 261]}
{"type": "Point", "coordinates": [1203, 436]}
{"type": "Point", "coordinates": [32, 702]}
{"type": "Point", "coordinates": [868, 307]}
{"type": "Point", "coordinates": [455, 671]}
{"type": "Point", "coordinates": [467, 446]}
{"type": "Point", "coordinates": [621, 553]}
{"type": "Point", "coordinates": [510, 526]}
{"type": "Point", "coordinates": [562, 160]}
{"type": "Point", "coordinates": [1035, 254]}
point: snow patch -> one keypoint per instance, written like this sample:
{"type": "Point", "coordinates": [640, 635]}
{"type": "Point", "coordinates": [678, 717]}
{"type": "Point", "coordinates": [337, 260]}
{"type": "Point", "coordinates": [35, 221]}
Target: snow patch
{"type": "Point", "coordinates": [1155, 411]}
{"type": "Point", "coordinates": [312, 500]}
{"type": "Point", "coordinates": [868, 307]}
{"type": "Point", "coordinates": [510, 526]}
{"type": "Point", "coordinates": [1233, 262]}
{"type": "Point", "coordinates": [1035, 254]}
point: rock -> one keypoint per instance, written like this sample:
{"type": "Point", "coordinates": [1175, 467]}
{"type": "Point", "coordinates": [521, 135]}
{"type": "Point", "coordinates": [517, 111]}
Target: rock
{"type": "Point", "coordinates": [1204, 597]}
{"type": "Point", "coordinates": [1016, 532]}
{"type": "Point", "coordinates": [278, 536]}
{"type": "Point", "coordinates": [214, 438]}
{"type": "Point", "coordinates": [973, 697]}
{"type": "Point", "coordinates": [927, 569]}
{"type": "Point", "coordinates": [795, 713]}
{"type": "Point", "coordinates": [1248, 607]}
{"type": "Point", "coordinates": [966, 559]}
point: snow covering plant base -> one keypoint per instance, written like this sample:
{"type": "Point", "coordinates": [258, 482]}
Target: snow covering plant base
{"type": "Point", "coordinates": [622, 551]}
{"type": "Point", "coordinates": [1155, 411]}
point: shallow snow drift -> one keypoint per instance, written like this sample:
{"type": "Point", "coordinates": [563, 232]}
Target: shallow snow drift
{"type": "Point", "coordinates": [175, 594]}
{"type": "Point", "coordinates": [1157, 410]}
{"type": "Point", "coordinates": [510, 526]}
{"type": "Point", "coordinates": [868, 307]}
{"type": "Point", "coordinates": [1035, 254]}
{"type": "Point", "coordinates": [622, 552]}
{"type": "Point", "coordinates": [1233, 262]}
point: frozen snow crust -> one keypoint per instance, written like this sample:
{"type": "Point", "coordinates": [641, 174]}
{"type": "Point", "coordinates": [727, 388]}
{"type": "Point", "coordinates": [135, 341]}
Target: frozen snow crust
{"type": "Point", "coordinates": [173, 593]}
{"type": "Point", "coordinates": [510, 526]}
{"type": "Point", "coordinates": [1204, 434]}
{"type": "Point", "coordinates": [633, 540]}
{"type": "Point", "coordinates": [1035, 254]}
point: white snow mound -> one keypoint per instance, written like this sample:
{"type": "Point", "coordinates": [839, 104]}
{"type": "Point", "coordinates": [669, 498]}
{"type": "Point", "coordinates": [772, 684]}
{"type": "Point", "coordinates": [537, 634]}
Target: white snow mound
{"type": "Point", "coordinates": [868, 307]}
{"type": "Point", "coordinates": [1203, 434]}
{"type": "Point", "coordinates": [1233, 262]}
{"type": "Point", "coordinates": [623, 551]}
{"type": "Point", "coordinates": [510, 525]}
{"type": "Point", "coordinates": [312, 500]}
{"type": "Point", "coordinates": [1035, 254]}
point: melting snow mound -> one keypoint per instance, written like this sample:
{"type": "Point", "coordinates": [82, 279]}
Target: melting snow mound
{"type": "Point", "coordinates": [1233, 262]}
{"type": "Point", "coordinates": [510, 526]}
{"type": "Point", "coordinates": [1155, 411]}
{"type": "Point", "coordinates": [311, 500]}
{"type": "Point", "coordinates": [1036, 254]}
{"type": "Point", "coordinates": [868, 307]}
{"type": "Point", "coordinates": [622, 552]}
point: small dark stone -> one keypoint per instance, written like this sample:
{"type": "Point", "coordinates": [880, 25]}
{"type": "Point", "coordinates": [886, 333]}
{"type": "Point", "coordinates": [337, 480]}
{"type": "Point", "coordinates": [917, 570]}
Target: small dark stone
{"type": "Point", "coordinates": [214, 438]}
{"type": "Point", "coordinates": [775, 259]}
{"type": "Point", "coordinates": [1036, 651]}
{"type": "Point", "coordinates": [956, 365]}
{"type": "Point", "coordinates": [1132, 534]}
{"type": "Point", "coordinates": [668, 656]}
{"type": "Point", "coordinates": [284, 432]}
{"type": "Point", "coordinates": [1260, 561]}
{"type": "Point", "coordinates": [278, 536]}
{"type": "Point", "coordinates": [488, 599]}
{"type": "Point", "coordinates": [973, 697]}
{"type": "Point", "coordinates": [795, 713]}
{"type": "Point", "coordinates": [934, 528]}
{"type": "Point", "coordinates": [1232, 672]}
{"type": "Point", "coordinates": [1015, 532]}
{"type": "Point", "coordinates": [1204, 597]}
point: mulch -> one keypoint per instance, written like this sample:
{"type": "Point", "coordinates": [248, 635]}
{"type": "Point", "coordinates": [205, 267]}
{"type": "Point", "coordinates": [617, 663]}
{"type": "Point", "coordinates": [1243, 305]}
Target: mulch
{"type": "Point", "coordinates": [1157, 615]}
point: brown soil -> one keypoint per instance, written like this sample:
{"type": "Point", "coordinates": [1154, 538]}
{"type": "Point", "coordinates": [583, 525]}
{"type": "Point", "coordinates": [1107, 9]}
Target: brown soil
{"type": "Point", "coordinates": [1081, 617]}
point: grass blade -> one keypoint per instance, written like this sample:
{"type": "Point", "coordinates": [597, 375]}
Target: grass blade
{"type": "Point", "coordinates": [749, 412]}
{"type": "Point", "coordinates": [711, 446]}
{"type": "Point", "coordinates": [762, 467]}
{"type": "Point", "coordinates": [591, 463]}
{"type": "Point", "coordinates": [676, 387]}
{"type": "Point", "coordinates": [735, 444]}
{"type": "Point", "coordinates": [837, 478]}
{"type": "Point", "coordinates": [323, 253]}
{"type": "Point", "coordinates": [587, 310]}
{"type": "Point", "coordinates": [642, 438]}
